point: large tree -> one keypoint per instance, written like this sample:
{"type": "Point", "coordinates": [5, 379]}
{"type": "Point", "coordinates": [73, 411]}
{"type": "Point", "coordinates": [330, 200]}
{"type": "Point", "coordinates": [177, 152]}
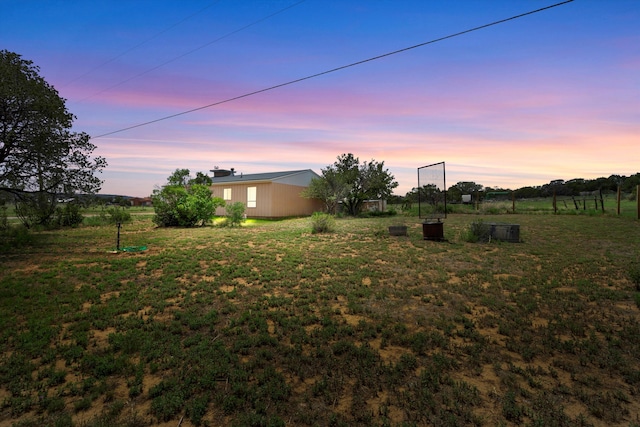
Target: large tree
{"type": "Point", "coordinates": [41, 158]}
{"type": "Point", "coordinates": [350, 182]}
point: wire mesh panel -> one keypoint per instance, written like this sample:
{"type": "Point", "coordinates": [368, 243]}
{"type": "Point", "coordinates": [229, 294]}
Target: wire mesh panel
{"type": "Point", "coordinates": [432, 192]}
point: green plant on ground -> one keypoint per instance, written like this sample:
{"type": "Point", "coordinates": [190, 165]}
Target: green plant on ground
{"type": "Point", "coordinates": [235, 214]}
{"type": "Point", "coordinates": [117, 215]}
{"type": "Point", "coordinates": [478, 231]}
{"type": "Point", "coordinates": [68, 216]}
{"type": "Point", "coordinates": [322, 223]}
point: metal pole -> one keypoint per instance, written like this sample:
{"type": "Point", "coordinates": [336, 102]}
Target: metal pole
{"type": "Point", "coordinates": [419, 211]}
{"type": "Point", "coordinates": [444, 190]}
{"type": "Point", "coordinates": [118, 240]}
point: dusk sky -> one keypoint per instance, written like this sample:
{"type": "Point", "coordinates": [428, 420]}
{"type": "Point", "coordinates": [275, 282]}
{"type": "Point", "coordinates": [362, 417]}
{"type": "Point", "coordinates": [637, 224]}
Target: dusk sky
{"type": "Point", "coordinates": [551, 95]}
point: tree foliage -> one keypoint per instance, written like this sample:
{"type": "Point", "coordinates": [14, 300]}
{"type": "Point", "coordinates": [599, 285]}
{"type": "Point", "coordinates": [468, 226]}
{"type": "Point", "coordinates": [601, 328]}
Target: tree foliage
{"type": "Point", "coordinates": [40, 157]}
{"type": "Point", "coordinates": [184, 203]}
{"type": "Point", "coordinates": [202, 179]}
{"type": "Point", "coordinates": [428, 193]}
{"type": "Point", "coordinates": [350, 182]}
{"type": "Point", "coordinates": [180, 177]}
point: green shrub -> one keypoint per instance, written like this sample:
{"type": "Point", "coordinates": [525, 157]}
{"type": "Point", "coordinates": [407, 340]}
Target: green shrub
{"type": "Point", "coordinates": [478, 231]}
{"type": "Point", "coordinates": [16, 237]}
{"type": "Point", "coordinates": [235, 214]}
{"type": "Point", "coordinates": [118, 215]}
{"type": "Point", "coordinates": [69, 216]}
{"type": "Point", "coordinates": [322, 223]}
{"type": "Point", "coordinates": [176, 205]}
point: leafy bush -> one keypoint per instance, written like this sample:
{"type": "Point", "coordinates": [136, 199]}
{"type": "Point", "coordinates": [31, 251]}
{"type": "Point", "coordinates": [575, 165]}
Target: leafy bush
{"type": "Point", "coordinates": [322, 223]}
{"type": "Point", "coordinates": [176, 205]}
{"type": "Point", "coordinates": [235, 214]}
{"type": "Point", "coordinates": [69, 216]}
{"type": "Point", "coordinates": [118, 215]}
{"type": "Point", "coordinates": [478, 231]}
{"type": "Point", "coordinates": [15, 237]}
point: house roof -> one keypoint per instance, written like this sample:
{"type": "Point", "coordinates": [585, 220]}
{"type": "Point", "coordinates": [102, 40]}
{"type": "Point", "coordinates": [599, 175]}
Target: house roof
{"type": "Point", "coordinates": [268, 176]}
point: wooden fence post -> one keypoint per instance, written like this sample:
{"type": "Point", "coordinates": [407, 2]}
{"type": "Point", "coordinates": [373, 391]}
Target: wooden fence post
{"type": "Point", "coordinates": [555, 208]}
{"type": "Point", "coordinates": [618, 200]}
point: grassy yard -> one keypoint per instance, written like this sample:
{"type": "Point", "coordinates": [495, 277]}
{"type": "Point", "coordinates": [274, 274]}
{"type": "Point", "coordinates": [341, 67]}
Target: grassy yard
{"type": "Point", "coordinates": [270, 325]}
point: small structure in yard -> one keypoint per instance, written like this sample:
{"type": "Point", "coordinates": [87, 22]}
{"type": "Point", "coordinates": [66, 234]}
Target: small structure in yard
{"type": "Point", "coordinates": [378, 205]}
{"type": "Point", "coordinates": [488, 231]}
{"type": "Point", "coordinates": [398, 230]}
{"type": "Point", "coordinates": [505, 232]}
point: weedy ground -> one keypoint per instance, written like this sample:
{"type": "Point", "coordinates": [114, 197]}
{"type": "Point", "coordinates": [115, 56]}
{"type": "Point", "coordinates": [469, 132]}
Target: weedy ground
{"type": "Point", "coordinates": [271, 325]}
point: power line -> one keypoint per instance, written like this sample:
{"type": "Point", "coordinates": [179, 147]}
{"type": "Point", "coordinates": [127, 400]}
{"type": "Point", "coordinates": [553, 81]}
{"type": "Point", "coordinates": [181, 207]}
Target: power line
{"type": "Point", "coordinates": [235, 98]}
{"type": "Point", "coordinates": [194, 50]}
{"type": "Point", "coordinates": [139, 44]}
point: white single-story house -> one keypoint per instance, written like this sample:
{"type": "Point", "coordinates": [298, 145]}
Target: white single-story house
{"type": "Point", "coordinates": [267, 195]}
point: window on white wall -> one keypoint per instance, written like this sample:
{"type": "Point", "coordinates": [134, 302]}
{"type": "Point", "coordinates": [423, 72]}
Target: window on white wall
{"type": "Point", "coordinates": [251, 197]}
{"type": "Point", "coordinates": [227, 194]}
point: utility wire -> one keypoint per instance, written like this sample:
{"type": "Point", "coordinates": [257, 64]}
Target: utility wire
{"type": "Point", "coordinates": [194, 50]}
{"type": "Point", "coordinates": [235, 98]}
{"type": "Point", "coordinates": [139, 44]}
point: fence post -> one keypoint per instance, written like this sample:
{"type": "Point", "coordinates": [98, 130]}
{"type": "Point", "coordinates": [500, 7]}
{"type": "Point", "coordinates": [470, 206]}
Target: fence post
{"type": "Point", "coordinates": [513, 201]}
{"type": "Point", "coordinates": [618, 200]}
{"type": "Point", "coordinates": [555, 209]}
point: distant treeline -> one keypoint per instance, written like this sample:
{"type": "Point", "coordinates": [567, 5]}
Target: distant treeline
{"type": "Point", "coordinates": [559, 187]}
{"type": "Point", "coordinates": [576, 186]}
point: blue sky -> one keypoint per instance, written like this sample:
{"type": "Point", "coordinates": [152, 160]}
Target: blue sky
{"type": "Point", "coordinates": [552, 95]}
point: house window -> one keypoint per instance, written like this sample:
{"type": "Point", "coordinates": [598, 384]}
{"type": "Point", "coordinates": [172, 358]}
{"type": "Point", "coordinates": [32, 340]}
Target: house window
{"type": "Point", "coordinates": [251, 197]}
{"type": "Point", "coordinates": [226, 194]}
